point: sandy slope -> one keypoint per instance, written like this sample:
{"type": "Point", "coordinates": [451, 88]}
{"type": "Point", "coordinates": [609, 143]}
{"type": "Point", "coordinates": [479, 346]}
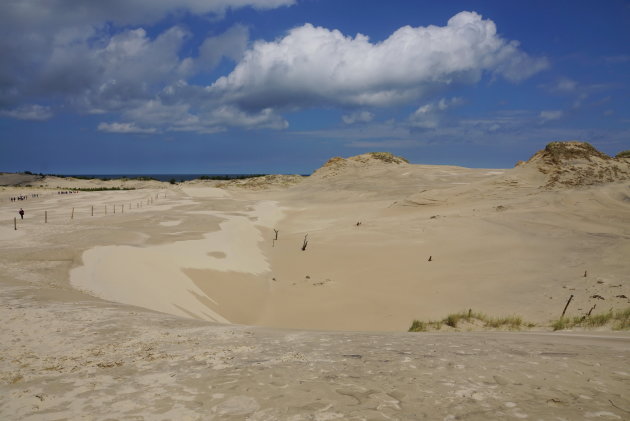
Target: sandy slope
{"type": "Point", "coordinates": [500, 241]}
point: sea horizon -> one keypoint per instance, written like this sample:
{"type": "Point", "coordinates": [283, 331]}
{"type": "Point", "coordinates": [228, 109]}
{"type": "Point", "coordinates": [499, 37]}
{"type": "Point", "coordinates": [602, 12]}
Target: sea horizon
{"type": "Point", "coordinates": [166, 176]}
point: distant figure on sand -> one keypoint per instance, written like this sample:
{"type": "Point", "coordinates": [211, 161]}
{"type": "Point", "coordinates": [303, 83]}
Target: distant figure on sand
{"type": "Point", "coordinates": [21, 212]}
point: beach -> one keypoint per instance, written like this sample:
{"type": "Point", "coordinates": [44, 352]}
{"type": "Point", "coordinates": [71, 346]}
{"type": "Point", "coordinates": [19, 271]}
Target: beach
{"type": "Point", "coordinates": [290, 297]}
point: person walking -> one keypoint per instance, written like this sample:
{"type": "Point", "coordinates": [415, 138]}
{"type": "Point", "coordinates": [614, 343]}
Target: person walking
{"type": "Point", "coordinates": [21, 212]}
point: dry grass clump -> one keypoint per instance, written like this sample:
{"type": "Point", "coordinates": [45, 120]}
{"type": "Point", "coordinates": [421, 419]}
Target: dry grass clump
{"type": "Point", "coordinates": [334, 161]}
{"type": "Point", "coordinates": [473, 318]}
{"type": "Point", "coordinates": [388, 157]}
{"type": "Point", "coordinates": [619, 320]}
{"type": "Point", "coordinates": [623, 154]}
{"type": "Point", "coordinates": [563, 151]}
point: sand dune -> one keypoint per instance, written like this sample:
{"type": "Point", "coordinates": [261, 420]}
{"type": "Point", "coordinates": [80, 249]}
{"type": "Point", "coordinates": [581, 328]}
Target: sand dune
{"type": "Point", "coordinates": [111, 306]}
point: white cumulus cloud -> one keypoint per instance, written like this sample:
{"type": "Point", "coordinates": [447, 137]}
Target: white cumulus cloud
{"type": "Point", "coordinates": [29, 112]}
{"type": "Point", "coordinates": [548, 115]}
{"type": "Point", "coordinates": [124, 128]}
{"type": "Point", "coordinates": [318, 66]}
{"type": "Point", "coordinates": [358, 117]}
{"type": "Point", "coordinates": [97, 56]}
{"type": "Point", "coordinates": [428, 115]}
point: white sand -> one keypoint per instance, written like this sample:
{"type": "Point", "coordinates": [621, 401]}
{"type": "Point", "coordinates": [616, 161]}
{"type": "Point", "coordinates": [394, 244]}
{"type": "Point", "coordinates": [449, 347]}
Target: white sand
{"type": "Point", "coordinates": [152, 276]}
{"type": "Point", "coordinates": [499, 243]}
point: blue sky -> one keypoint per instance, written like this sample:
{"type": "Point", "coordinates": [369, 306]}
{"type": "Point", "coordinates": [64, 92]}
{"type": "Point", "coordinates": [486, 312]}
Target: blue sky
{"type": "Point", "coordinates": [280, 86]}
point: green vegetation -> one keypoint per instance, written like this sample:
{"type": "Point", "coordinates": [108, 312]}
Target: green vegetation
{"type": "Point", "coordinates": [418, 326]}
{"type": "Point", "coordinates": [623, 154]}
{"type": "Point", "coordinates": [453, 320]}
{"type": "Point", "coordinates": [620, 320]}
{"type": "Point", "coordinates": [617, 320]}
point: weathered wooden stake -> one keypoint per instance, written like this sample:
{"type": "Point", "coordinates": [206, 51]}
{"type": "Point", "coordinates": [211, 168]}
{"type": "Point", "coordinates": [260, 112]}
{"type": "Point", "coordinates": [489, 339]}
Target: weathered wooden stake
{"type": "Point", "coordinates": [276, 231]}
{"type": "Point", "coordinates": [92, 210]}
{"type": "Point", "coordinates": [566, 306]}
{"type": "Point", "coordinates": [122, 208]}
{"type": "Point", "coordinates": [305, 243]}
{"type": "Point", "coordinates": [72, 215]}
{"type": "Point", "coordinates": [114, 208]}
{"type": "Point", "coordinates": [430, 258]}
{"type": "Point", "coordinates": [15, 224]}
{"type": "Point", "coordinates": [45, 217]}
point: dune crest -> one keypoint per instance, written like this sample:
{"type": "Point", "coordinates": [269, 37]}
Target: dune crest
{"type": "Point", "coordinates": [338, 166]}
{"type": "Point", "coordinates": [574, 164]}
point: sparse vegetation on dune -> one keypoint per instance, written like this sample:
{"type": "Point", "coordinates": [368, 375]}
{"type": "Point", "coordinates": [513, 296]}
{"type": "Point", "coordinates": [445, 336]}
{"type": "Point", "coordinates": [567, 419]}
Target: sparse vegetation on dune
{"type": "Point", "coordinates": [388, 157]}
{"type": "Point", "coordinates": [617, 320]}
{"type": "Point", "coordinates": [472, 318]}
{"type": "Point", "coordinates": [623, 154]}
{"type": "Point", "coordinates": [559, 152]}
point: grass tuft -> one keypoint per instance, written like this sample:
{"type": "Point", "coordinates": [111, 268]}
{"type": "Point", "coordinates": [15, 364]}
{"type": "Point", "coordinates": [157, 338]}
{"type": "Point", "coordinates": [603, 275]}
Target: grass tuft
{"type": "Point", "coordinates": [418, 326]}
{"type": "Point", "coordinates": [453, 320]}
{"type": "Point", "coordinates": [619, 320]}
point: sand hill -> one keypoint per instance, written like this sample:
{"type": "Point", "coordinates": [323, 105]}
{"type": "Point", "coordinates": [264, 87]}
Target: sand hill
{"type": "Point", "coordinates": [573, 164]}
{"type": "Point", "coordinates": [338, 166]}
{"type": "Point", "coordinates": [290, 298]}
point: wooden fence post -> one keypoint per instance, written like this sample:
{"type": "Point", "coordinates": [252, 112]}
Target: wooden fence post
{"type": "Point", "coordinates": [15, 223]}
{"type": "Point", "coordinates": [72, 215]}
{"type": "Point", "coordinates": [45, 217]}
{"type": "Point", "coordinates": [92, 210]}
{"type": "Point", "coordinates": [566, 306]}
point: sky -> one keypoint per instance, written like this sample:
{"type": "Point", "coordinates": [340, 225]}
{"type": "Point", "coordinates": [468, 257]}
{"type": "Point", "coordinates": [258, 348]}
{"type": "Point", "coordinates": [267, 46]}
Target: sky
{"type": "Point", "coordinates": [281, 86]}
